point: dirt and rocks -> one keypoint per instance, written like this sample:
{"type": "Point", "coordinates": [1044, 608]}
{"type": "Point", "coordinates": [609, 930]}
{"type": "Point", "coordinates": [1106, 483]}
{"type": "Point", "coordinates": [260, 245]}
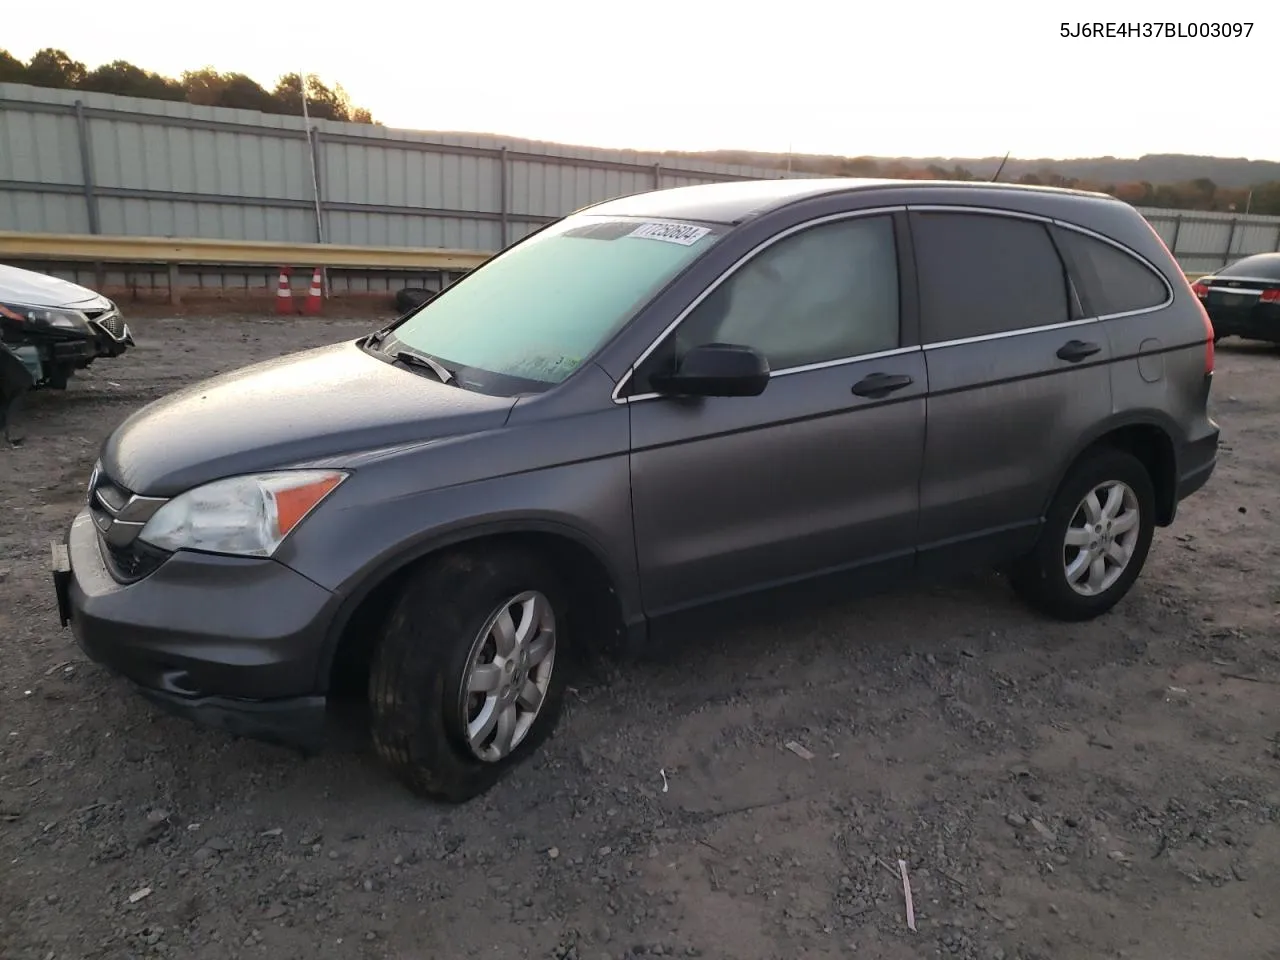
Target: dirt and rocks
{"type": "Point", "coordinates": [1101, 790]}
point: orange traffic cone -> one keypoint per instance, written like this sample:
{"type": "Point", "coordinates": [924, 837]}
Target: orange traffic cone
{"type": "Point", "coordinates": [284, 293]}
{"type": "Point", "coordinates": [315, 296]}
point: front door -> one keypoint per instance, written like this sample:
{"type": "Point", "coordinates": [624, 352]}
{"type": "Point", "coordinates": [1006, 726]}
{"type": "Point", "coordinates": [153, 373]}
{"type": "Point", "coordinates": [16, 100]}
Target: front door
{"type": "Point", "coordinates": [820, 473]}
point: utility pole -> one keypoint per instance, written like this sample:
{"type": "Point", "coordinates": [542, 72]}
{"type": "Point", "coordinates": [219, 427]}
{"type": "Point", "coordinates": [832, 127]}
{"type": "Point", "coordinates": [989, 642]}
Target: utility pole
{"type": "Point", "coordinates": [315, 181]}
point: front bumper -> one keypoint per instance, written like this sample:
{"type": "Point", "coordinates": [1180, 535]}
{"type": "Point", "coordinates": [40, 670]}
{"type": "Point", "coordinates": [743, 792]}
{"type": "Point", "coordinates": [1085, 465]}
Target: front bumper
{"type": "Point", "coordinates": [112, 335]}
{"type": "Point", "coordinates": [230, 642]}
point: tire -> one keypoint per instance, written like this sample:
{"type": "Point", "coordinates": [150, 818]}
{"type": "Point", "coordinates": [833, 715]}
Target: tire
{"type": "Point", "coordinates": [1042, 579]}
{"type": "Point", "coordinates": [419, 716]}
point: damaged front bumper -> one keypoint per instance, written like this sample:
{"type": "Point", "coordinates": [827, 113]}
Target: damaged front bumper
{"type": "Point", "coordinates": [112, 335]}
{"type": "Point", "coordinates": [228, 642]}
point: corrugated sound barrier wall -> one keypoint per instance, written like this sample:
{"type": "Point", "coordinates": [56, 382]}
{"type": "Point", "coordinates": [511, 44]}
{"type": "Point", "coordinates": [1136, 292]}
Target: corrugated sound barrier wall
{"type": "Point", "coordinates": [75, 162]}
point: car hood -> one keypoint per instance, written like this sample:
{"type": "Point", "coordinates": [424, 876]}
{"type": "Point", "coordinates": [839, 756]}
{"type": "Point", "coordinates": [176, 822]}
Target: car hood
{"type": "Point", "coordinates": [41, 290]}
{"type": "Point", "coordinates": [316, 404]}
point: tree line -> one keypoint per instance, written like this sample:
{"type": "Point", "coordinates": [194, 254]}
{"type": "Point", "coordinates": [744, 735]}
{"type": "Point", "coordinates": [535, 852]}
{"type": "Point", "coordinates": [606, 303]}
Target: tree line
{"type": "Point", "coordinates": [206, 86]}
{"type": "Point", "coordinates": [1200, 193]}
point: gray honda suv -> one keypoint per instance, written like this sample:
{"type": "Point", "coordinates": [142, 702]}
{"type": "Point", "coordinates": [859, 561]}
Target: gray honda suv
{"type": "Point", "coordinates": [655, 407]}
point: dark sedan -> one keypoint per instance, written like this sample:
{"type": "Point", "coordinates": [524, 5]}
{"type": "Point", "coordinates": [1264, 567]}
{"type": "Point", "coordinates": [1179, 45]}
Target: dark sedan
{"type": "Point", "coordinates": [1243, 299]}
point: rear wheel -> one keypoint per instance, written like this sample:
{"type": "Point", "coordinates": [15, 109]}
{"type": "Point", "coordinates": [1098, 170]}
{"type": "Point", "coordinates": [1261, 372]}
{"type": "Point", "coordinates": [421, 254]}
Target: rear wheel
{"type": "Point", "coordinates": [1095, 539]}
{"type": "Point", "coordinates": [469, 677]}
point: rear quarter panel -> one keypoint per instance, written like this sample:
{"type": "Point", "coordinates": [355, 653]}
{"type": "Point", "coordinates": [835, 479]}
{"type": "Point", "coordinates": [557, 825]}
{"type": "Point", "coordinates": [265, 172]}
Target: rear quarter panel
{"type": "Point", "coordinates": [1158, 370]}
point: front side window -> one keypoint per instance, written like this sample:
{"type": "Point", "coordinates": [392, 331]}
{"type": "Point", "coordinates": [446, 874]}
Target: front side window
{"type": "Point", "coordinates": [982, 274]}
{"type": "Point", "coordinates": [827, 293]}
{"type": "Point", "coordinates": [528, 318]}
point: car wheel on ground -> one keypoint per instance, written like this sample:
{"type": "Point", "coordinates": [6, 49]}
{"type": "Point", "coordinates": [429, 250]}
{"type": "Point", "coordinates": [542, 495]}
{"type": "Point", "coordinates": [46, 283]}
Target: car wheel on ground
{"type": "Point", "coordinates": [468, 678]}
{"type": "Point", "coordinates": [1094, 541]}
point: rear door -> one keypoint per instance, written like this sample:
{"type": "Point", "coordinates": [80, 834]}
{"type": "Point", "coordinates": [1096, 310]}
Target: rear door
{"type": "Point", "coordinates": [1016, 375]}
{"type": "Point", "coordinates": [820, 472]}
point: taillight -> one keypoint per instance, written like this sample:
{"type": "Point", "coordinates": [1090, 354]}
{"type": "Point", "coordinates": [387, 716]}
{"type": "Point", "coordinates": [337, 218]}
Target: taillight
{"type": "Point", "coordinates": [1209, 335]}
{"type": "Point", "coordinates": [1200, 289]}
{"type": "Point", "coordinates": [1270, 296]}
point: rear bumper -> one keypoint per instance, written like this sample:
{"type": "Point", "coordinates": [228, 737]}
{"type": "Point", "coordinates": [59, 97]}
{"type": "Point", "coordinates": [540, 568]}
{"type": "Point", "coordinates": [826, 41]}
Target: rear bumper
{"type": "Point", "coordinates": [232, 643]}
{"type": "Point", "coordinates": [1197, 461]}
{"type": "Point", "coordinates": [1260, 323]}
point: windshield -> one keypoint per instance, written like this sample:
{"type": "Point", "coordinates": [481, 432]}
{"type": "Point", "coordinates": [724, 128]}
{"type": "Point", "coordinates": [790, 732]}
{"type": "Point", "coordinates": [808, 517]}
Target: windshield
{"type": "Point", "coordinates": [529, 317]}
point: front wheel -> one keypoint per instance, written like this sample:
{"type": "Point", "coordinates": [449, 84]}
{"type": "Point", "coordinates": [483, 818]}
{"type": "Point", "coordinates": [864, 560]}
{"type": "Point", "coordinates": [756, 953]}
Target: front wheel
{"type": "Point", "coordinates": [469, 677]}
{"type": "Point", "coordinates": [1095, 539]}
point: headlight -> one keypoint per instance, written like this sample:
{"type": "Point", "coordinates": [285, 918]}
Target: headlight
{"type": "Point", "coordinates": [58, 317]}
{"type": "Point", "coordinates": [247, 516]}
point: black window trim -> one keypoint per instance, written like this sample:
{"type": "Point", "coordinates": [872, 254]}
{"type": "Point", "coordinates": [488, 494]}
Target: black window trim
{"type": "Point", "coordinates": [906, 286]}
{"type": "Point", "coordinates": [1050, 223]}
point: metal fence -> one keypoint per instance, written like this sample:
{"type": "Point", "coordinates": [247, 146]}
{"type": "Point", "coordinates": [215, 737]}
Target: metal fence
{"type": "Point", "coordinates": [73, 162]}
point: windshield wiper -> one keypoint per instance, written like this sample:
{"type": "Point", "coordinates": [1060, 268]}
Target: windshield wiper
{"type": "Point", "coordinates": [423, 362]}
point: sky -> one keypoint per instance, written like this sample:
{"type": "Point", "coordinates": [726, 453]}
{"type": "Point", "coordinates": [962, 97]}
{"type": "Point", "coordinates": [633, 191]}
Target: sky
{"type": "Point", "coordinates": [814, 77]}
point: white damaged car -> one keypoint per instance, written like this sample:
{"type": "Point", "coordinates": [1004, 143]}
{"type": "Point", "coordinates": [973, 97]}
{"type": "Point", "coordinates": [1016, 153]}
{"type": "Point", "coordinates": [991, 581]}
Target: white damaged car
{"type": "Point", "coordinates": [49, 329]}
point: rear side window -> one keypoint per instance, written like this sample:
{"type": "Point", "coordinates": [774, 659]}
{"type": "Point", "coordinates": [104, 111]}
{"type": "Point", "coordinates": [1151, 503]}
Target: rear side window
{"type": "Point", "coordinates": [1111, 281]}
{"type": "Point", "coordinates": [982, 274]}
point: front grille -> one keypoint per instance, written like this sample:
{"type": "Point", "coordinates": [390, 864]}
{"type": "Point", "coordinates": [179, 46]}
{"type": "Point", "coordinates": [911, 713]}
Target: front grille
{"type": "Point", "coordinates": [109, 494]}
{"type": "Point", "coordinates": [112, 324]}
{"type": "Point", "coordinates": [118, 515]}
{"type": "Point", "coordinates": [131, 563]}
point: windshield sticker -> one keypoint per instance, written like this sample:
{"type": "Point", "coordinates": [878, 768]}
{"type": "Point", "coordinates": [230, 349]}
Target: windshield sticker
{"type": "Point", "coordinates": [685, 234]}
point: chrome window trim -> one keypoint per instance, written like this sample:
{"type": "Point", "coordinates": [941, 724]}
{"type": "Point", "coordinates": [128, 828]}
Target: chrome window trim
{"type": "Point", "coordinates": [1007, 334]}
{"type": "Point", "coordinates": [969, 208]}
{"type": "Point", "coordinates": [729, 272]}
{"type": "Point", "coordinates": [1168, 287]}
{"type": "Point", "coordinates": [805, 368]}
{"type": "Point", "coordinates": [843, 361]}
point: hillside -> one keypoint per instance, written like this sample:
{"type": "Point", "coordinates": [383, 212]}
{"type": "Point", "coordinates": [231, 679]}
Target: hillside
{"type": "Point", "coordinates": [1152, 168]}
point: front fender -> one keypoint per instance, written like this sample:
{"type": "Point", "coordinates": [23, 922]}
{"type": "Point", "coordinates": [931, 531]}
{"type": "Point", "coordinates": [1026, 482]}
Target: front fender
{"type": "Point", "coordinates": [380, 520]}
{"type": "Point", "coordinates": [355, 593]}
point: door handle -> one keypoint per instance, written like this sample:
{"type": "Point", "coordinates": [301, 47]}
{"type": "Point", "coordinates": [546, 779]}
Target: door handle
{"type": "Point", "coordinates": [877, 385]}
{"type": "Point", "coordinates": [1076, 350]}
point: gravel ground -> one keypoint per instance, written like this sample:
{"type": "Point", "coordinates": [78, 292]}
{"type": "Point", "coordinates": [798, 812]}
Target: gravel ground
{"type": "Point", "coordinates": [1102, 790]}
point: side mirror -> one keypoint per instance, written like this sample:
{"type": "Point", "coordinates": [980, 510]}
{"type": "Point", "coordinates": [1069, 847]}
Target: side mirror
{"type": "Point", "coordinates": [716, 370]}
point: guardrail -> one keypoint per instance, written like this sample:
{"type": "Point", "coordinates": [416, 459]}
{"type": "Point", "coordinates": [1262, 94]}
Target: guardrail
{"type": "Point", "coordinates": [105, 249]}
{"type": "Point", "coordinates": [98, 249]}
{"type": "Point", "coordinates": [173, 253]}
